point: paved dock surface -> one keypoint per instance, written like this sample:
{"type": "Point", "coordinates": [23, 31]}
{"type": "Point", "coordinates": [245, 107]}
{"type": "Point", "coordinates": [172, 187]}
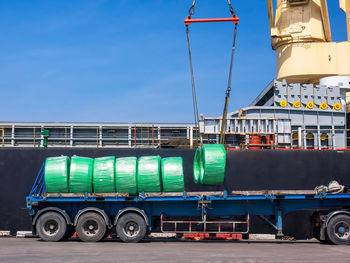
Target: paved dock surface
{"type": "Point", "coordinates": [33, 250]}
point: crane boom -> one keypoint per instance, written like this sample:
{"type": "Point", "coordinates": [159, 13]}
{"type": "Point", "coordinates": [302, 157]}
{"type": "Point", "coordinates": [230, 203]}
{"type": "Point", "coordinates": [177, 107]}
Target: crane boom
{"type": "Point", "coordinates": [301, 35]}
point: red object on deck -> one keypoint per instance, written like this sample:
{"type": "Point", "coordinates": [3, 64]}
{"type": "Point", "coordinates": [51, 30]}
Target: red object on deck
{"type": "Point", "coordinates": [254, 142]}
{"type": "Point", "coordinates": [233, 19]}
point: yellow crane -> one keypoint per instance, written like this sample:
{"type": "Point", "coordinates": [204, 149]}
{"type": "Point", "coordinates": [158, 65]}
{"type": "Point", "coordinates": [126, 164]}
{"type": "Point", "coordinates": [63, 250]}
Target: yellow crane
{"type": "Point", "coordinates": [301, 35]}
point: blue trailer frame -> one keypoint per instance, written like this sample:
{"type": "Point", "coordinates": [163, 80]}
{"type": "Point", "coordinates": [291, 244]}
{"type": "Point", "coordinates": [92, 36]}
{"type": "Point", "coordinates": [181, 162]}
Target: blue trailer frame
{"type": "Point", "coordinates": [202, 205]}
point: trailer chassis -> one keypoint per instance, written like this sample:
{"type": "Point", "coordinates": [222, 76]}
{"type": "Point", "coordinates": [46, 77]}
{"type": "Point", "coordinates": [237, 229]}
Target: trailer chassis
{"type": "Point", "coordinates": [209, 208]}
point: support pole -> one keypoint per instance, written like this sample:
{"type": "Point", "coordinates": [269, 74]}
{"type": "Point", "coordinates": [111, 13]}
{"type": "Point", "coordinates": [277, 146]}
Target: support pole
{"type": "Point", "coordinates": [152, 135]}
{"type": "Point", "coordinates": [159, 139]}
{"type": "Point", "coordinates": [135, 135]}
{"type": "Point", "coordinates": [100, 137]}
{"type": "Point", "coordinates": [42, 137]}
{"type": "Point", "coordinates": [13, 135]}
{"type": "Point", "coordinates": [300, 139]}
{"type": "Point", "coordinates": [191, 137]}
{"type": "Point", "coordinates": [129, 136]}
{"type": "Point", "coordinates": [71, 136]}
{"type": "Point", "coordinates": [279, 223]}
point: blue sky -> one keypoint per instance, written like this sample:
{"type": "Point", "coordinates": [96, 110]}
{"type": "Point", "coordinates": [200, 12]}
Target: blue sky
{"type": "Point", "coordinates": [127, 61]}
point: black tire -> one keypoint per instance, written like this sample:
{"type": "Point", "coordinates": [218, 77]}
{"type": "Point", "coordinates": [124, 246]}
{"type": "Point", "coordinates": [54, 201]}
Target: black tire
{"type": "Point", "coordinates": [338, 230]}
{"type": "Point", "coordinates": [91, 227]}
{"type": "Point", "coordinates": [51, 226]}
{"type": "Point", "coordinates": [131, 228]}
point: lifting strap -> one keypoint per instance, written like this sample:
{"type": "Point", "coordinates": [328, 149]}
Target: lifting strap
{"type": "Point", "coordinates": [228, 90]}
{"type": "Point", "coordinates": [194, 93]}
{"type": "Point", "coordinates": [188, 21]}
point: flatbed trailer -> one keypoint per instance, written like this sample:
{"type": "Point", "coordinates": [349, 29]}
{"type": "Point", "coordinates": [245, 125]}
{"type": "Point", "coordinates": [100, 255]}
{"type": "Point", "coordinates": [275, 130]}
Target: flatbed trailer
{"type": "Point", "coordinates": [93, 216]}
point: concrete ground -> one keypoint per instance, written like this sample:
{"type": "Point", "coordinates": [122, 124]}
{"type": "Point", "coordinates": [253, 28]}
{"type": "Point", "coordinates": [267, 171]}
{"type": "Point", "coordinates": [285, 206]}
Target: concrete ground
{"type": "Point", "coordinates": [161, 250]}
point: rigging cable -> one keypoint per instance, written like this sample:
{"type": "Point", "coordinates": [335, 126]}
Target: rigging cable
{"type": "Point", "coordinates": [194, 93]}
{"type": "Point", "coordinates": [228, 90]}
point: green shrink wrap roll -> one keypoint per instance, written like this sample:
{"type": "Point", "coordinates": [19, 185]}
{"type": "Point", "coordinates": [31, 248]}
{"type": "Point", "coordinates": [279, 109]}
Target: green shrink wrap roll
{"type": "Point", "coordinates": [172, 174]}
{"type": "Point", "coordinates": [103, 178]}
{"type": "Point", "coordinates": [80, 175]}
{"type": "Point", "coordinates": [209, 164]}
{"type": "Point", "coordinates": [56, 174]}
{"type": "Point", "coordinates": [198, 166]}
{"type": "Point", "coordinates": [125, 175]}
{"type": "Point", "coordinates": [148, 174]}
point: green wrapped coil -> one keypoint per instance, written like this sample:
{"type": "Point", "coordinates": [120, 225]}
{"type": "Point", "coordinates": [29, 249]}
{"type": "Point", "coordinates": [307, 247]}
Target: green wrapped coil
{"type": "Point", "coordinates": [209, 164]}
{"type": "Point", "coordinates": [125, 175]}
{"type": "Point", "coordinates": [173, 174]}
{"type": "Point", "coordinates": [198, 166]}
{"type": "Point", "coordinates": [103, 178]}
{"type": "Point", "coordinates": [56, 174]}
{"type": "Point", "coordinates": [148, 174]}
{"type": "Point", "coordinates": [80, 175]}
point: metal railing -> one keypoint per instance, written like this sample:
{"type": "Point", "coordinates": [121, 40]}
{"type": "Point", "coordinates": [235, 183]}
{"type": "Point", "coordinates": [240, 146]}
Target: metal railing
{"type": "Point", "coordinates": [205, 226]}
{"type": "Point", "coordinates": [95, 135]}
{"type": "Point", "coordinates": [321, 139]}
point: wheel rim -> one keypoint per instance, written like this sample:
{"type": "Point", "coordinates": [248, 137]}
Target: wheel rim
{"type": "Point", "coordinates": [342, 230]}
{"type": "Point", "coordinates": [90, 228]}
{"type": "Point", "coordinates": [131, 229]}
{"type": "Point", "coordinates": [51, 227]}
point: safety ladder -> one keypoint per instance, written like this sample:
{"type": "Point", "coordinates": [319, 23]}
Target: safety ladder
{"type": "Point", "coordinates": [145, 134]}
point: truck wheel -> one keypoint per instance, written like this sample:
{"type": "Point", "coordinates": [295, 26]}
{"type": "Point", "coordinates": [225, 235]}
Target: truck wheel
{"type": "Point", "coordinates": [91, 227]}
{"type": "Point", "coordinates": [131, 228]}
{"type": "Point", "coordinates": [338, 230]}
{"type": "Point", "coordinates": [51, 226]}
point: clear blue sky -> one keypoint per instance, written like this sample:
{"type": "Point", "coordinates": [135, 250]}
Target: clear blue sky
{"type": "Point", "coordinates": [122, 60]}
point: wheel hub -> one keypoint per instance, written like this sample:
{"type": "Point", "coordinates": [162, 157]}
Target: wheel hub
{"type": "Point", "coordinates": [342, 230]}
{"type": "Point", "coordinates": [90, 227]}
{"type": "Point", "coordinates": [50, 227]}
{"type": "Point", "coordinates": [131, 229]}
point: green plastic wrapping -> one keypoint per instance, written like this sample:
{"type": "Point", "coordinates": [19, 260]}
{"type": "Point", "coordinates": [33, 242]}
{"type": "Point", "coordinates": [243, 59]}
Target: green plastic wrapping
{"type": "Point", "coordinates": [210, 164]}
{"type": "Point", "coordinates": [80, 174]}
{"type": "Point", "coordinates": [148, 174]}
{"type": "Point", "coordinates": [125, 175]}
{"type": "Point", "coordinates": [103, 178]}
{"type": "Point", "coordinates": [172, 174]}
{"type": "Point", "coordinates": [197, 166]}
{"type": "Point", "coordinates": [56, 174]}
